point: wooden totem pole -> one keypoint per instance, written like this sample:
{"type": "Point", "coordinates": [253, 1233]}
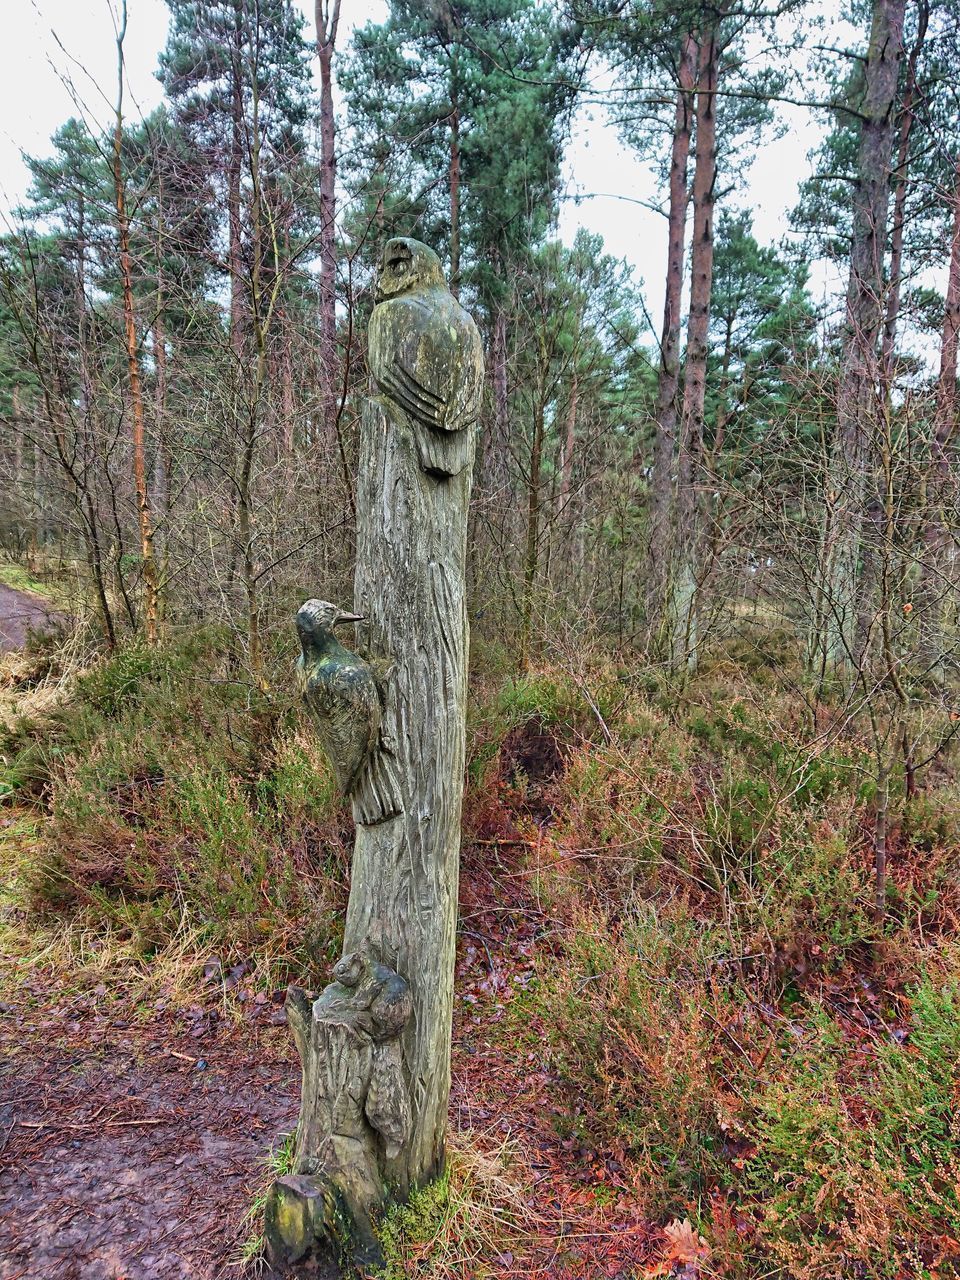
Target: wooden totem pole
{"type": "Point", "coordinates": [375, 1045]}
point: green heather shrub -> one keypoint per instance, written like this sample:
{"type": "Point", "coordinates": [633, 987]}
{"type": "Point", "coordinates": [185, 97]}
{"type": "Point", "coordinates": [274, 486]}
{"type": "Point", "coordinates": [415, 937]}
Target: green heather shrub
{"type": "Point", "coordinates": [783, 869]}
{"type": "Point", "coordinates": [180, 798]}
{"type": "Point", "coordinates": [545, 696]}
{"type": "Point", "coordinates": [931, 821]}
{"type": "Point", "coordinates": [630, 1040]}
{"type": "Point", "coordinates": [24, 764]}
{"type": "Point", "coordinates": [856, 1158]}
{"type": "Point", "coordinates": [839, 1149]}
{"type": "Point", "coordinates": [804, 893]}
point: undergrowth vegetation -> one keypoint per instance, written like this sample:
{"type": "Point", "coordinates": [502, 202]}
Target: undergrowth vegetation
{"type": "Point", "coordinates": [722, 1010]}
{"type": "Point", "coordinates": [177, 802]}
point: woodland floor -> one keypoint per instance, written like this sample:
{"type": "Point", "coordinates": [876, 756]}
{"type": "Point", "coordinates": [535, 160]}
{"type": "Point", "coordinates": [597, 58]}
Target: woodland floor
{"type": "Point", "coordinates": [624, 1101]}
{"type": "Point", "coordinates": [130, 1150]}
{"type": "Point", "coordinates": [132, 1140]}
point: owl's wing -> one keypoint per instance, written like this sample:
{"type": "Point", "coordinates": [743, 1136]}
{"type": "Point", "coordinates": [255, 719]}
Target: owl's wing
{"type": "Point", "coordinates": [391, 360]}
{"type": "Point", "coordinates": [418, 400]}
{"type": "Point", "coordinates": [463, 408]}
{"type": "Point", "coordinates": [426, 355]}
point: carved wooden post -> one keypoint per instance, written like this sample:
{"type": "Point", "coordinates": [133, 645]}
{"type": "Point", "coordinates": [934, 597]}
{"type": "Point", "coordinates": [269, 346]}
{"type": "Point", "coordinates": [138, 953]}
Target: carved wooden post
{"type": "Point", "coordinates": [376, 1045]}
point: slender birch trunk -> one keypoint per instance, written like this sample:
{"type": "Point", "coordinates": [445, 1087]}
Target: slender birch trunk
{"type": "Point", "coordinates": [151, 582]}
{"type": "Point", "coordinates": [668, 377]}
{"type": "Point", "coordinates": [689, 516]}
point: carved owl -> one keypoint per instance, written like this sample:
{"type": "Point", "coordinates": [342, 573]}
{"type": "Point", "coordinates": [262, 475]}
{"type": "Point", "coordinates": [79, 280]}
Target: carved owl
{"type": "Point", "coordinates": [426, 356]}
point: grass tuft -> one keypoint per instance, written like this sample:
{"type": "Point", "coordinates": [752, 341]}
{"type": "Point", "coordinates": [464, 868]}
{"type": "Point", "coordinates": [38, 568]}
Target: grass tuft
{"type": "Point", "coordinates": [461, 1223]}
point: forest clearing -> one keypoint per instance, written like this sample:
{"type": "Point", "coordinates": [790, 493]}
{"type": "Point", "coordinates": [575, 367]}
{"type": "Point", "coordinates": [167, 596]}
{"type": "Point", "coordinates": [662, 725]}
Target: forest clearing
{"type": "Point", "coordinates": [479, 788]}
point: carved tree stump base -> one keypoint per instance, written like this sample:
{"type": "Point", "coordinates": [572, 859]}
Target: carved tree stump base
{"type": "Point", "coordinates": [297, 1218]}
{"type": "Point", "coordinates": [354, 1114]}
{"type": "Point", "coordinates": [306, 1217]}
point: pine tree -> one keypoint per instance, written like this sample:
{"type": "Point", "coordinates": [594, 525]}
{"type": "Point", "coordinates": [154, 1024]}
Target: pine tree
{"type": "Point", "coordinates": [458, 112]}
{"type": "Point", "coordinates": [238, 81]}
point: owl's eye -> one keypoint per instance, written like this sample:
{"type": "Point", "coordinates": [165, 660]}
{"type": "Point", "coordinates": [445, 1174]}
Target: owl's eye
{"type": "Point", "coordinates": [397, 264]}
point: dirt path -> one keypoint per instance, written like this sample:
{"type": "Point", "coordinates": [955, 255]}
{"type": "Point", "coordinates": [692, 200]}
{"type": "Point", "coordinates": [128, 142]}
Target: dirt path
{"type": "Point", "coordinates": [133, 1141]}
{"type": "Point", "coordinates": [132, 1152]}
{"type": "Point", "coordinates": [20, 612]}
{"type": "Point", "coordinates": [133, 1136]}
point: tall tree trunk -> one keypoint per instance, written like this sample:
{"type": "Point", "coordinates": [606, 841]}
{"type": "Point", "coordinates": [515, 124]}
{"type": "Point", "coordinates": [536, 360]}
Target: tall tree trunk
{"type": "Point", "coordinates": [151, 582]}
{"type": "Point", "coordinates": [496, 454]}
{"type": "Point", "coordinates": [455, 201]}
{"type": "Point", "coordinates": [163, 460]}
{"type": "Point", "coordinates": [668, 377]}
{"type": "Point", "coordinates": [163, 463]}
{"type": "Point", "coordinates": [109, 555]}
{"type": "Point", "coordinates": [569, 442]}
{"type": "Point", "coordinates": [85, 507]}
{"type": "Point", "coordinates": [234, 196]}
{"type": "Point", "coordinates": [888, 349]}
{"type": "Point", "coordinates": [531, 554]}
{"type": "Point", "coordinates": [687, 529]}
{"type": "Point", "coordinates": [858, 396]}
{"type": "Point", "coordinates": [941, 489]}
{"type": "Point", "coordinates": [16, 406]}
{"type": "Point", "coordinates": [261, 314]}
{"type": "Point", "coordinates": [327, 20]}
{"type": "Point", "coordinates": [947, 380]}
{"type": "Point", "coordinates": [56, 395]}
{"type": "Point", "coordinates": [288, 406]}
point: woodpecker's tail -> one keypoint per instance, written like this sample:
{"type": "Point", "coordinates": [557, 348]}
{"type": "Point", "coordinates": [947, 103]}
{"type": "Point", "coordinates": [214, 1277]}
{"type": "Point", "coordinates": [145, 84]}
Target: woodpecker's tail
{"type": "Point", "coordinates": [376, 794]}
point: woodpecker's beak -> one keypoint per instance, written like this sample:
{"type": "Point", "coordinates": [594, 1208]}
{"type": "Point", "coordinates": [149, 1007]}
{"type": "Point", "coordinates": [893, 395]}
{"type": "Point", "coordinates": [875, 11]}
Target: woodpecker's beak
{"type": "Point", "coordinates": [350, 617]}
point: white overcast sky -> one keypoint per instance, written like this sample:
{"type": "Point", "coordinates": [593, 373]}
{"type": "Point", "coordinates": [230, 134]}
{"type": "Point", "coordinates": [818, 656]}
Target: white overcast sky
{"type": "Point", "coordinates": [47, 42]}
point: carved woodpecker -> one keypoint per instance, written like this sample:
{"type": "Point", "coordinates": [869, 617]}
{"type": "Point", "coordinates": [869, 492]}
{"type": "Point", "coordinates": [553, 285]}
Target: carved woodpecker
{"type": "Point", "coordinates": [339, 690]}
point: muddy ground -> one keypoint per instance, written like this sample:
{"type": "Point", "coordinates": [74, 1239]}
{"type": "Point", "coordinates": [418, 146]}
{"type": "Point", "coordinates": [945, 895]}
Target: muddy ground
{"type": "Point", "coordinates": [131, 1152]}
{"type": "Point", "coordinates": [20, 613]}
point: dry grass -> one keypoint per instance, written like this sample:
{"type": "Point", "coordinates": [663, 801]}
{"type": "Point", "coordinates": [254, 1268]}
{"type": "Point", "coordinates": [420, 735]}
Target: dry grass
{"type": "Point", "coordinates": [35, 684]}
{"type": "Point", "coordinates": [464, 1223]}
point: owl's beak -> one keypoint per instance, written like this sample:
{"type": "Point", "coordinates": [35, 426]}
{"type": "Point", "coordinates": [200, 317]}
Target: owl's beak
{"type": "Point", "coordinates": [351, 617]}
